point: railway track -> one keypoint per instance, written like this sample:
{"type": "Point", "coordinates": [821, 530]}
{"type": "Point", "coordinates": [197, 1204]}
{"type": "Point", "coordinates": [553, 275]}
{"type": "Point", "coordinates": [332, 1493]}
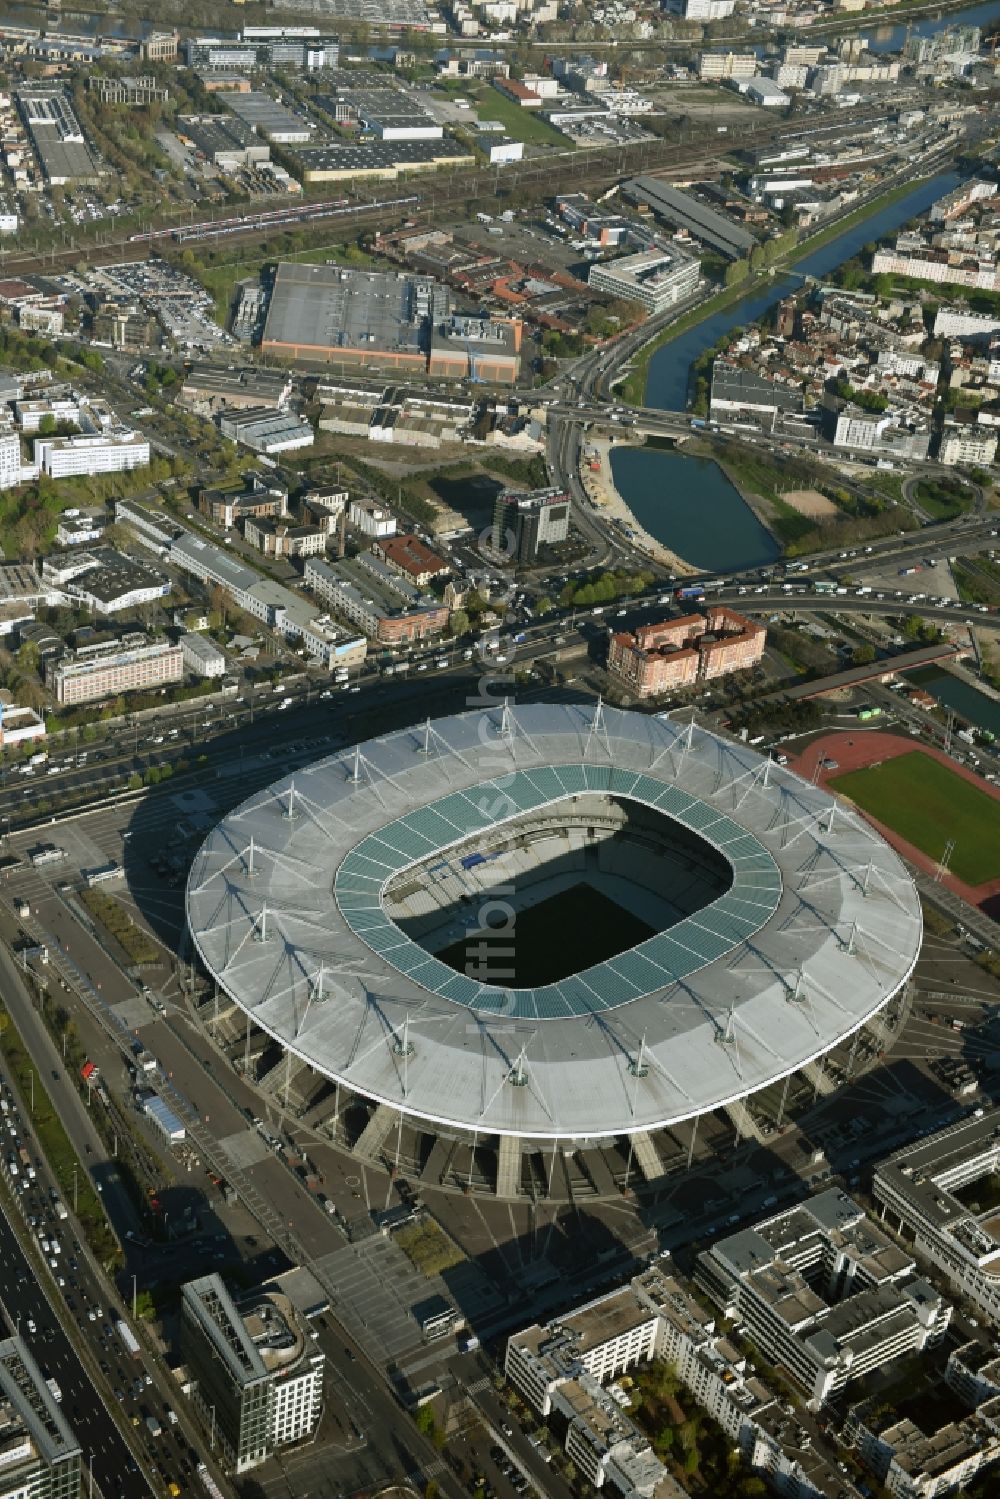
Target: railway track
{"type": "Point", "coordinates": [468, 187]}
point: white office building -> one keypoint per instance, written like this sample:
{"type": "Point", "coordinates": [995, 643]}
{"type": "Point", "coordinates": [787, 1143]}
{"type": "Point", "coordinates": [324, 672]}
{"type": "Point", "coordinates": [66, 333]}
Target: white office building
{"type": "Point", "coordinates": [108, 453]}
{"type": "Point", "coordinates": [656, 279]}
{"type": "Point", "coordinates": [823, 1293]}
{"type": "Point", "coordinates": [257, 1377]}
{"type": "Point", "coordinates": [915, 1189]}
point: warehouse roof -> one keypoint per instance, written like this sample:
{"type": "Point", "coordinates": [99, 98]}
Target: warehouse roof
{"type": "Point", "coordinates": [683, 209]}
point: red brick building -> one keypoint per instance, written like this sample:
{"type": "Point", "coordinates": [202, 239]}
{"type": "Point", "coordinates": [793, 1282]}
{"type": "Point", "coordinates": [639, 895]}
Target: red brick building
{"type": "Point", "coordinates": [408, 555]}
{"type": "Point", "coordinates": [679, 652]}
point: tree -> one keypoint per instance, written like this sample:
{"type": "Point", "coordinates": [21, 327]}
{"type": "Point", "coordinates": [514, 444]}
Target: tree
{"type": "Point", "coordinates": [863, 655]}
{"type": "Point", "coordinates": [458, 622]}
{"type": "Point", "coordinates": [145, 1307]}
{"type": "Point", "coordinates": [27, 656]}
{"type": "Point", "coordinates": [544, 606]}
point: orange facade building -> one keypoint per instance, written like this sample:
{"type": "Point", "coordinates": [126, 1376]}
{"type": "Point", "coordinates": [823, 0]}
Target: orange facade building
{"type": "Point", "coordinates": [677, 653]}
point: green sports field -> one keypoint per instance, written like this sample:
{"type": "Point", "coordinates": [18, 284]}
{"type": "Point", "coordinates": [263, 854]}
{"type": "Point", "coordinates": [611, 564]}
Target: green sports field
{"type": "Point", "coordinates": [926, 803]}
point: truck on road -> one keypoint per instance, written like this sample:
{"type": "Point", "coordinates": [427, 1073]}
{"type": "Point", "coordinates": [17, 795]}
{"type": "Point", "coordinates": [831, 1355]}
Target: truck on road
{"type": "Point", "coordinates": [128, 1338]}
{"type": "Point", "coordinates": [690, 592]}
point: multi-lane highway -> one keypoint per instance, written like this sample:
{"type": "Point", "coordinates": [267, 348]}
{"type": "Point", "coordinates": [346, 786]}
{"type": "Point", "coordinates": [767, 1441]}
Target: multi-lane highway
{"type": "Point", "coordinates": [40, 1311]}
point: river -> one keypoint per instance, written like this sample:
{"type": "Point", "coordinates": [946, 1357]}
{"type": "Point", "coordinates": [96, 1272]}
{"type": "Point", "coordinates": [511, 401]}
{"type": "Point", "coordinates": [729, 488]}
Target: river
{"type": "Point", "coordinates": [954, 692]}
{"type": "Point", "coordinates": [890, 37]}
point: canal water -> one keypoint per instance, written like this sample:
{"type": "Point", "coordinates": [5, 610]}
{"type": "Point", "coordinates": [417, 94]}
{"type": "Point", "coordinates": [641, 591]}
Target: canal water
{"type": "Point", "coordinates": [688, 504]}
{"type": "Point", "coordinates": [670, 367]}
{"type": "Point", "coordinates": [952, 692]}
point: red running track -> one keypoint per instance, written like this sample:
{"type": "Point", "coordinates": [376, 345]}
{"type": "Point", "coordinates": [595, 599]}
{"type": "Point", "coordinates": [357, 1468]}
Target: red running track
{"type": "Point", "coordinates": [857, 749]}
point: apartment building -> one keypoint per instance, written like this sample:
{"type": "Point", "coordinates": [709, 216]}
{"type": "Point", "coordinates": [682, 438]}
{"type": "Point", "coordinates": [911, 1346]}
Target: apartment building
{"type": "Point", "coordinates": [915, 1189]}
{"type": "Point", "coordinates": [278, 539]}
{"type": "Point", "coordinates": [11, 466]}
{"type": "Point", "coordinates": [719, 65]}
{"type": "Point", "coordinates": [911, 1463]}
{"type": "Point", "coordinates": [945, 267]}
{"type": "Point", "coordinates": [824, 1293]}
{"type": "Point", "coordinates": [261, 498]}
{"type": "Point", "coordinates": [377, 600]}
{"type": "Point", "coordinates": [961, 444]}
{"type": "Point", "coordinates": [202, 656]}
{"type": "Point", "coordinates": [570, 1369]}
{"type": "Point", "coordinates": [132, 664]}
{"type": "Point", "coordinates": [371, 518]}
{"type": "Point", "coordinates": [678, 652]}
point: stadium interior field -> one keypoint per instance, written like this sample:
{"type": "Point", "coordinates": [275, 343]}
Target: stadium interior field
{"type": "Point", "coordinates": [605, 871]}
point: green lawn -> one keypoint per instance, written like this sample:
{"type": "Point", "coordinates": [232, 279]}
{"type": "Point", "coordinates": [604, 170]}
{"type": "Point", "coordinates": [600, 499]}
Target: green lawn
{"type": "Point", "coordinates": [926, 803]}
{"type": "Point", "coordinates": [521, 124]}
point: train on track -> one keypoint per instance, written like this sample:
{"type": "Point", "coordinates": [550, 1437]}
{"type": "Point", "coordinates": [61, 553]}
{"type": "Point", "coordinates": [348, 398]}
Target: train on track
{"type": "Point", "coordinates": [299, 213]}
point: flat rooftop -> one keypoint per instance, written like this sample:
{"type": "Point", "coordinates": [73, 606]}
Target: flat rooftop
{"type": "Point", "coordinates": [267, 116]}
{"type": "Point", "coordinates": [379, 155]}
{"type": "Point", "coordinates": [327, 307]}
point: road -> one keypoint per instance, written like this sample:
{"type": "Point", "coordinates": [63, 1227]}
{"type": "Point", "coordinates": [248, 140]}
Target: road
{"type": "Point", "coordinates": [31, 1304]}
{"type": "Point", "coordinates": [215, 1102]}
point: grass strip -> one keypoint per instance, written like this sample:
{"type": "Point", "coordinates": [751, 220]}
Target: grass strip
{"type": "Point", "coordinates": [56, 1146]}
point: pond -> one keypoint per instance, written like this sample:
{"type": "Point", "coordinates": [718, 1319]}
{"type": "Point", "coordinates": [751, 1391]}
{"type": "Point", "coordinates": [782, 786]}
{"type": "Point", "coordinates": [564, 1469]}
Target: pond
{"type": "Point", "coordinates": [689, 505]}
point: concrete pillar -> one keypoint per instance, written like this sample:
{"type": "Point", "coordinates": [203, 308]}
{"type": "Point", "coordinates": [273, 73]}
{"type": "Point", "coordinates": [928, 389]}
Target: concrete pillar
{"type": "Point", "coordinates": [509, 1166]}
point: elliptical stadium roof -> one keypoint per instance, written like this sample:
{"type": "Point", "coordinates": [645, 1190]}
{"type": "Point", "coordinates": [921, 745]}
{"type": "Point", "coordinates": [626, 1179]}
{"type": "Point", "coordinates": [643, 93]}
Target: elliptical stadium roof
{"type": "Point", "coordinates": [819, 928]}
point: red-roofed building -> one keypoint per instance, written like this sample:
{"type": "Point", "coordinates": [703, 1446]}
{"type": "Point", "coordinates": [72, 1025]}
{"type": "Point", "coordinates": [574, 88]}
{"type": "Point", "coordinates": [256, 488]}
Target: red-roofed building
{"type": "Point", "coordinates": [519, 92]}
{"type": "Point", "coordinates": [408, 555]}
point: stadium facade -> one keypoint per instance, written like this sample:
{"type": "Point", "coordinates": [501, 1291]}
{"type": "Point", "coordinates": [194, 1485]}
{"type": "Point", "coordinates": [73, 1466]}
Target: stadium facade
{"type": "Point", "coordinates": [379, 918]}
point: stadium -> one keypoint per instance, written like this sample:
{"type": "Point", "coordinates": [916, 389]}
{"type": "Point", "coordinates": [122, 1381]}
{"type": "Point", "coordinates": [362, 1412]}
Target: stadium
{"type": "Point", "coordinates": [470, 944]}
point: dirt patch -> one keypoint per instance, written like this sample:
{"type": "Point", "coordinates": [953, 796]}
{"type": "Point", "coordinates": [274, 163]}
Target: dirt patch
{"type": "Point", "coordinates": [810, 503]}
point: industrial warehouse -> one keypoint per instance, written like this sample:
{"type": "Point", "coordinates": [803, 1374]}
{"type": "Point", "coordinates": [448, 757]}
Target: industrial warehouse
{"type": "Point", "coordinates": [370, 957]}
{"type": "Point", "coordinates": [379, 320]}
